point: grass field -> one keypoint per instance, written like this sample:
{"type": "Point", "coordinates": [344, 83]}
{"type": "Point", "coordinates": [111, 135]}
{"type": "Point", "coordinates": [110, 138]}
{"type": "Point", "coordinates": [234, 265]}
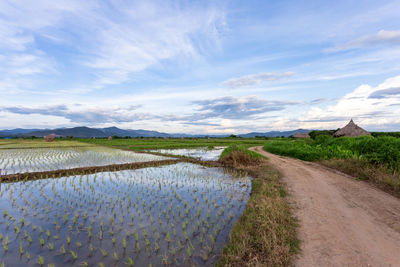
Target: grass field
{"type": "Point", "coordinates": [158, 143]}
{"type": "Point", "coordinates": [39, 143]}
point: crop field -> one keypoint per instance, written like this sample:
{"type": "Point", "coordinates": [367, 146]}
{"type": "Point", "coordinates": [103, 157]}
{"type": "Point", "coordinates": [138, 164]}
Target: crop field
{"type": "Point", "coordinates": [198, 153]}
{"type": "Point", "coordinates": [384, 151]}
{"type": "Point", "coordinates": [176, 214]}
{"type": "Point", "coordinates": [174, 143]}
{"type": "Point", "coordinates": [376, 159]}
{"type": "Point", "coordinates": [39, 143]}
{"type": "Point", "coordinates": [49, 159]}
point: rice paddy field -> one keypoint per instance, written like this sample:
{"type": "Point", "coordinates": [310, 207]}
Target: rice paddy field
{"type": "Point", "coordinates": [179, 215]}
{"type": "Point", "coordinates": [204, 153]}
{"type": "Point", "coordinates": [49, 159]}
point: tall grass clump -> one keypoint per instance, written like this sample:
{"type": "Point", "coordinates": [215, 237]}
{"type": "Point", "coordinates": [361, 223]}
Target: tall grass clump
{"type": "Point", "coordinates": [236, 155]}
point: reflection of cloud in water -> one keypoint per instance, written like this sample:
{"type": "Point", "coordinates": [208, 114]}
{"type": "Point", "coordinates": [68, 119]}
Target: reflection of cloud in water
{"type": "Point", "coordinates": [199, 153]}
{"type": "Point", "coordinates": [187, 175]}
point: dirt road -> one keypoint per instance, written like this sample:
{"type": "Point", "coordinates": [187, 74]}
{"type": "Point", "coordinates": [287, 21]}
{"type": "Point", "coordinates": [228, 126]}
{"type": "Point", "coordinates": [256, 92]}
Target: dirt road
{"type": "Point", "coordinates": [343, 222]}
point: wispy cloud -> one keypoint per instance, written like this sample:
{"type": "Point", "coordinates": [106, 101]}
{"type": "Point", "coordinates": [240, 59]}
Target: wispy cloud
{"type": "Point", "coordinates": [112, 40]}
{"type": "Point", "coordinates": [148, 33]}
{"type": "Point", "coordinates": [83, 114]}
{"type": "Point", "coordinates": [237, 108]}
{"type": "Point", "coordinates": [388, 92]}
{"type": "Point", "coordinates": [256, 79]}
{"type": "Point", "coordinates": [383, 37]}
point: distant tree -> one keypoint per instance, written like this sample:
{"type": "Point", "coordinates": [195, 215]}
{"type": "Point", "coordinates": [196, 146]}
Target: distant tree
{"type": "Point", "coordinates": [233, 136]}
{"type": "Point", "coordinates": [314, 134]}
{"type": "Point", "coordinates": [393, 134]}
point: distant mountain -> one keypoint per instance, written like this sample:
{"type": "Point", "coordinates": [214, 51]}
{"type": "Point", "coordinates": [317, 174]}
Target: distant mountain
{"type": "Point", "coordinates": [87, 132]}
{"type": "Point", "coordinates": [111, 131]}
{"type": "Point", "coordinates": [274, 133]}
{"type": "Point", "coordinates": [16, 131]}
{"type": "Point", "coordinates": [83, 132]}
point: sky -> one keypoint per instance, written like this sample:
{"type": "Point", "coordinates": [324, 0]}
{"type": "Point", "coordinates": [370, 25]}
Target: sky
{"type": "Point", "coordinates": [204, 67]}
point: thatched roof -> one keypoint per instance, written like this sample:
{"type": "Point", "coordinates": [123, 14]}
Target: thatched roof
{"type": "Point", "coordinates": [49, 138]}
{"type": "Point", "coordinates": [351, 129]}
{"type": "Point", "coordinates": [301, 135]}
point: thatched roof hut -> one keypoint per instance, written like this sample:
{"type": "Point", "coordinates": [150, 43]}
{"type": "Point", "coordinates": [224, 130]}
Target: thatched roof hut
{"type": "Point", "coordinates": [49, 138]}
{"type": "Point", "coordinates": [351, 129]}
{"type": "Point", "coordinates": [301, 135]}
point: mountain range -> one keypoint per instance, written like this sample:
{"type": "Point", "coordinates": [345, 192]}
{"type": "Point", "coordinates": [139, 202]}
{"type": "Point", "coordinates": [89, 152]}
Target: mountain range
{"type": "Point", "coordinates": [87, 132]}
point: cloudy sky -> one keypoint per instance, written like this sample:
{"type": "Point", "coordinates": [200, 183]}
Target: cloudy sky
{"type": "Point", "coordinates": [198, 66]}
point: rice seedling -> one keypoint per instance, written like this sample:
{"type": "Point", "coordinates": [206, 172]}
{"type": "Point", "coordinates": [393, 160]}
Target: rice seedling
{"type": "Point", "coordinates": [129, 262]}
{"type": "Point", "coordinates": [41, 260]}
{"type": "Point", "coordinates": [74, 255]}
{"type": "Point", "coordinates": [47, 159]}
{"type": "Point", "coordinates": [170, 211]}
{"type": "Point", "coordinates": [116, 256]}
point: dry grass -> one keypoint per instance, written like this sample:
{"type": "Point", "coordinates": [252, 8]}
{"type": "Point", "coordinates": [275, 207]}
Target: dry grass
{"type": "Point", "coordinates": [239, 156]}
{"type": "Point", "coordinates": [265, 234]}
{"type": "Point", "coordinates": [382, 177]}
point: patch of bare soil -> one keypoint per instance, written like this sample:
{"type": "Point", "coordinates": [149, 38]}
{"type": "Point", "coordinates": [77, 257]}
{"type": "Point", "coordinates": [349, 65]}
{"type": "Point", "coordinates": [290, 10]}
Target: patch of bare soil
{"type": "Point", "coordinates": [343, 222]}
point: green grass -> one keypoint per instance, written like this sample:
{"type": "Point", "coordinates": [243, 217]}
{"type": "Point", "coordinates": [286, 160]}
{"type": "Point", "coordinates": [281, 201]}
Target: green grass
{"type": "Point", "coordinates": [380, 151]}
{"type": "Point", "coordinates": [39, 143]}
{"type": "Point", "coordinates": [242, 148]}
{"type": "Point", "coordinates": [158, 143]}
{"type": "Point", "coordinates": [265, 234]}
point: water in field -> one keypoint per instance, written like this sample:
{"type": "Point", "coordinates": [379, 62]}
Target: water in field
{"type": "Point", "coordinates": [199, 153]}
{"type": "Point", "coordinates": [48, 159]}
{"type": "Point", "coordinates": [179, 215]}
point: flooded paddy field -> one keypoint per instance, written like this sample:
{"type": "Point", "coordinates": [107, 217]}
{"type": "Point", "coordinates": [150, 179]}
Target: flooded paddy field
{"type": "Point", "coordinates": [198, 153]}
{"type": "Point", "coordinates": [177, 215]}
{"type": "Point", "coordinates": [49, 159]}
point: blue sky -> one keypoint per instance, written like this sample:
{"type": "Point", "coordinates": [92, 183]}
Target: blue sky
{"type": "Point", "coordinates": [200, 66]}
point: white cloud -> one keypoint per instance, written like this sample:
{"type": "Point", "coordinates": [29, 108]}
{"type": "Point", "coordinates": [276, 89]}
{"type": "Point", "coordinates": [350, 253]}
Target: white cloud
{"type": "Point", "coordinates": [256, 79]}
{"type": "Point", "coordinates": [359, 104]}
{"type": "Point", "coordinates": [383, 37]}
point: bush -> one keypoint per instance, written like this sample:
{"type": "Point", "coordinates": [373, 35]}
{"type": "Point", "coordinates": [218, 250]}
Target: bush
{"type": "Point", "coordinates": [314, 134]}
{"type": "Point", "coordinates": [239, 156]}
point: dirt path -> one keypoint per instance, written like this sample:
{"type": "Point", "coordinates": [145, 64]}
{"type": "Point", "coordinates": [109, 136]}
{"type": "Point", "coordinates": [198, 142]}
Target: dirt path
{"type": "Point", "coordinates": [343, 222]}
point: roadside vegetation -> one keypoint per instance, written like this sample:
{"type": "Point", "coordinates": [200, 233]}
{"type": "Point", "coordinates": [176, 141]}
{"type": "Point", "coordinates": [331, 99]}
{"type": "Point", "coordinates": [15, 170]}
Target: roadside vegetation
{"type": "Point", "coordinates": [265, 234]}
{"type": "Point", "coordinates": [365, 157]}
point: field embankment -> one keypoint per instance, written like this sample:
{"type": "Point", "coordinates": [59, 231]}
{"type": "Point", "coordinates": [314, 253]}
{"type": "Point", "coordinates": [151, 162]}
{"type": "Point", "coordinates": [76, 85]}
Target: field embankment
{"type": "Point", "coordinates": [343, 222]}
{"type": "Point", "coordinates": [265, 234]}
{"type": "Point", "coordinates": [373, 159]}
